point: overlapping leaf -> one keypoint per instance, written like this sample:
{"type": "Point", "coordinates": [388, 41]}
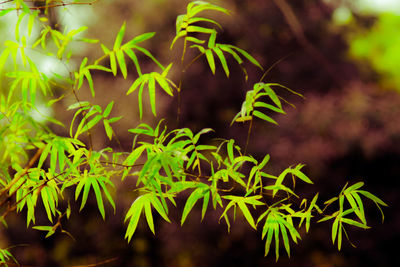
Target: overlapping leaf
{"type": "Point", "coordinates": [277, 224]}
{"type": "Point", "coordinates": [184, 23]}
{"type": "Point", "coordinates": [117, 55]}
{"type": "Point", "coordinates": [144, 203]}
{"type": "Point", "coordinates": [99, 185]}
{"type": "Point", "coordinates": [151, 79]}
{"type": "Point", "coordinates": [351, 194]}
{"type": "Point", "coordinates": [242, 202]}
{"type": "Point", "coordinates": [253, 101]}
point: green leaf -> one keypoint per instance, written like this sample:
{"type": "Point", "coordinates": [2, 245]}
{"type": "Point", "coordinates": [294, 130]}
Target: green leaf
{"type": "Point", "coordinates": [358, 210]}
{"type": "Point", "coordinates": [99, 198]}
{"type": "Point", "coordinates": [163, 82]}
{"type": "Point", "coordinates": [107, 110]}
{"type": "Point", "coordinates": [108, 129]}
{"type": "Point", "coordinates": [45, 200]}
{"type": "Point", "coordinates": [108, 196]}
{"type": "Point", "coordinates": [80, 104]}
{"type": "Point", "coordinates": [113, 63]}
{"type": "Point", "coordinates": [268, 230]}
{"type": "Point", "coordinates": [139, 39]}
{"type": "Point", "coordinates": [140, 95]}
{"type": "Point", "coordinates": [205, 203]}
{"type": "Point", "coordinates": [133, 215]}
{"type": "Point", "coordinates": [221, 57]}
{"type": "Point", "coordinates": [199, 19]}
{"type": "Point", "coordinates": [353, 187]}
{"type": "Point", "coordinates": [43, 228]}
{"type": "Point", "coordinates": [31, 22]}
{"type": "Point", "coordinates": [191, 201]}
{"type": "Point", "coordinates": [149, 216]}
{"type": "Point", "coordinates": [247, 214]}
{"type": "Point", "coordinates": [375, 199]}
{"type": "Point", "coordinates": [296, 171]}
{"type": "Point", "coordinates": [246, 55]}
{"type": "Point", "coordinates": [269, 106]}
{"type": "Point", "coordinates": [139, 81]}
{"type": "Point", "coordinates": [159, 207]}
{"type": "Point", "coordinates": [152, 94]}
{"type": "Point", "coordinates": [199, 29]}
{"type": "Point", "coordinates": [354, 223]}
{"type": "Point", "coordinates": [195, 40]}
{"type": "Point", "coordinates": [372, 197]}
{"type": "Point", "coordinates": [85, 194]}
{"type": "Point", "coordinates": [121, 62]}
{"type": "Point", "coordinates": [335, 227]}
{"type": "Point", "coordinates": [210, 60]}
{"type": "Point", "coordinates": [285, 239]}
{"type": "Point", "coordinates": [262, 116]}
{"type": "Point", "coordinates": [211, 40]}
{"type": "Point", "coordinates": [148, 54]}
{"type": "Point", "coordinates": [119, 38]}
{"type": "Point", "coordinates": [90, 81]}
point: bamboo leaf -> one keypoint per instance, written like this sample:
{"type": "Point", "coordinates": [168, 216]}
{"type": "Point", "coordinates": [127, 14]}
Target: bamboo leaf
{"type": "Point", "coordinates": [121, 62]}
{"type": "Point", "coordinates": [113, 63]}
{"type": "Point", "coordinates": [159, 208]}
{"type": "Point", "coordinates": [138, 39]}
{"type": "Point", "coordinates": [358, 210]}
{"type": "Point", "coordinates": [107, 110]}
{"type": "Point", "coordinates": [269, 106]}
{"type": "Point", "coordinates": [339, 241]}
{"type": "Point", "coordinates": [205, 203]}
{"type": "Point", "coordinates": [99, 198]}
{"type": "Point", "coordinates": [149, 216]}
{"type": "Point", "coordinates": [353, 187]}
{"type": "Point", "coordinates": [90, 81]}
{"type": "Point", "coordinates": [222, 59]}
{"type": "Point", "coordinates": [262, 116]}
{"type": "Point", "coordinates": [133, 215]}
{"type": "Point", "coordinates": [108, 129]}
{"type": "Point", "coordinates": [335, 227]}
{"type": "Point", "coordinates": [140, 96]}
{"type": "Point", "coordinates": [140, 80]}
{"type": "Point", "coordinates": [45, 200]}
{"type": "Point", "coordinates": [285, 239]}
{"type": "Point", "coordinates": [152, 94]}
{"type": "Point", "coordinates": [200, 19]}
{"type": "Point", "coordinates": [247, 214]}
{"type": "Point", "coordinates": [276, 233]}
{"type": "Point", "coordinates": [135, 60]}
{"type": "Point", "coordinates": [210, 60]}
{"type": "Point", "coordinates": [372, 197]}
{"type": "Point", "coordinates": [85, 193]}
{"type": "Point", "coordinates": [268, 229]}
{"type": "Point", "coordinates": [190, 202]}
{"type": "Point", "coordinates": [211, 40]}
{"type": "Point", "coordinates": [119, 38]}
{"type": "Point", "coordinates": [199, 29]}
{"type": "Point", "coordinates": [246, 55]}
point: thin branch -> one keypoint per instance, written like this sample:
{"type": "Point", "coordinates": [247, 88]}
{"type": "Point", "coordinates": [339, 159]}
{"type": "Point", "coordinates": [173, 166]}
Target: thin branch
{"type": "Point", "coordinates": [298, 32]}
{"type": "Point", "coordinates": [273, 65]}
{"type": "Point", "coordinates": [26, 170]}
{"type": "Point", "coordinates": [96, 264]}
{"type": "Point", "coordinates": [60, 4]}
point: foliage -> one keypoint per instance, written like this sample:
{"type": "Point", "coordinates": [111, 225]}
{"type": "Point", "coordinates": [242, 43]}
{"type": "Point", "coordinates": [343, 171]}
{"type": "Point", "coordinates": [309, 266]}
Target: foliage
{"type": "Point", "coordinates": [380, 48]}
{"type": "Point", "coordinates": [39, 165]}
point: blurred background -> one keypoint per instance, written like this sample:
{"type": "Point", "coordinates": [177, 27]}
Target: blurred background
{"type": "Point", "coordinates": [342, 55]}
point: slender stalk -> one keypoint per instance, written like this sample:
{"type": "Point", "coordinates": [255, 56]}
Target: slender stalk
{"type": "Point", "coordinates": [248, 136]}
